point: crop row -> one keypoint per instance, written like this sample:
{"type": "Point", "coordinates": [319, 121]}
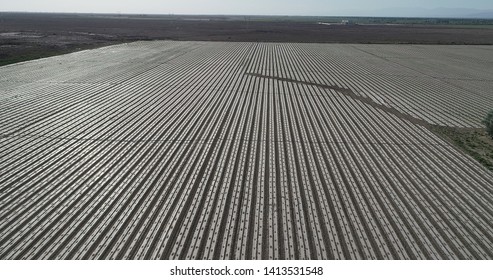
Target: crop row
{"type": "Point", "coordinates": [192, 157]}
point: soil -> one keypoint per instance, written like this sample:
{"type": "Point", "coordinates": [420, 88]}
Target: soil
{"type": "Point", "coordinates": [25, 36]}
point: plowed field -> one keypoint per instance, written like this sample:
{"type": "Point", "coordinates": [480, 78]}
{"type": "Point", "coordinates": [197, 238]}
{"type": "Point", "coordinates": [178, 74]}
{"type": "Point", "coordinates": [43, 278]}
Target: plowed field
{"type": "Point", "coordinates": [210, 150]}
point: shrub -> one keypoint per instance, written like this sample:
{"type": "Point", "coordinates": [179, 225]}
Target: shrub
{"type": "Point", "coordinates": [488, 122]}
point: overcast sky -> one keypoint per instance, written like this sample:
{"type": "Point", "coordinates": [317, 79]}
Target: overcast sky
{"type": "Point", "coordinates": [251, 7]}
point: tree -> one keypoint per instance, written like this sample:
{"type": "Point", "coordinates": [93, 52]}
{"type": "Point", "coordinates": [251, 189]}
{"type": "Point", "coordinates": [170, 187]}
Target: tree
{"type": "Point", "coordinates": [488, 122]}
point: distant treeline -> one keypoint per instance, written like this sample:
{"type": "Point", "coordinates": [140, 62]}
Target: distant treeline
{"type": "Point", "coordinates": [379, 20]}
{"type": "Point", "coordinates": [433, 21]}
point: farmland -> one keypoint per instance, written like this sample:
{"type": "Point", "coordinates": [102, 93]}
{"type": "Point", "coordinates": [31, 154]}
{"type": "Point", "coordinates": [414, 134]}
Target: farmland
{"type": "Point", "coordinates": [27, 36]}
{"type": "Point", "coordinates": [244, 150]}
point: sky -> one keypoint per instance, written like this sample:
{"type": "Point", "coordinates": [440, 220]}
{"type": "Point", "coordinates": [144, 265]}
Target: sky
{"type": "Point", "coordinates": [250, 7]}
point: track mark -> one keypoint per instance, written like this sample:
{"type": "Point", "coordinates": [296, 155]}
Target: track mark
{"type": "Point", "coordinates": [350, 93]}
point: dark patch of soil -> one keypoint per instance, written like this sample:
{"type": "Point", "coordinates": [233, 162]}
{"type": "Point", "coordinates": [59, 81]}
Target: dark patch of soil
{"type": "Point", "coordinates": [111, 27]}
{"type": "Point", "coordinates": [25, 36]}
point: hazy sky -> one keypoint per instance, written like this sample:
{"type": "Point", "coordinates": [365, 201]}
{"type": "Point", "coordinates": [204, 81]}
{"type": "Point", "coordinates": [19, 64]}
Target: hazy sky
{"type": "Point", "coordinates": [253, 7]}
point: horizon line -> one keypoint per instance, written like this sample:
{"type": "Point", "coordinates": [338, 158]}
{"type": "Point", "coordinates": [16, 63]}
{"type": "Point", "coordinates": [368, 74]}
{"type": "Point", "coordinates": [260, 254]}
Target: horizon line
{"type": "Point", "coordinates": [250, 15]}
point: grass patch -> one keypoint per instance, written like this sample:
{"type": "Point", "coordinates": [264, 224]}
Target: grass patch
{"type": "Point", "coordinates": [474, 142]}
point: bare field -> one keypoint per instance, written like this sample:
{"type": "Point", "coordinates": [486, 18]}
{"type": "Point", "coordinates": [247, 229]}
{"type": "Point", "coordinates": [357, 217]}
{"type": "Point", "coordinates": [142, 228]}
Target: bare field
{"type": "Point", "coordinates": [27, 36]}
{"type": "Point", "coordinates": [214, 150]}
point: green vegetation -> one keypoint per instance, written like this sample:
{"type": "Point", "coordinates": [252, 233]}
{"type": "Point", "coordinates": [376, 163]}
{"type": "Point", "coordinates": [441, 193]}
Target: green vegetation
{"type": "Point", "coordinates": [474, 142]}
{"type": "Point", "coordinates": [488, 122]}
